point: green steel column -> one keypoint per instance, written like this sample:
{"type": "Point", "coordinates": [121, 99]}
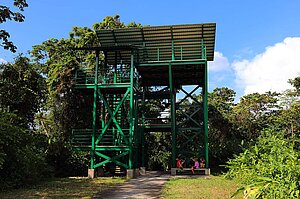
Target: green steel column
{"type": "Point", "coordinates": [115, 67]}
{"type": "Point", "coordinates": [143, 129]}
{"type": "Point", "coordinates": [114, 102]}
{"type": "Point", "coordinates": [103, 116]}
{"type": "Point", "coordinates": [173, 51]}
{"type": "Point", "coordinates": [105, 67]}
{"type": "Point", "coordinates": [95, 109]}
{"type": "Point", "coordinates": [137, 133]}
{"type": "Point", "coordinates": [131, 125]}
{"type": "Point", "coordinates": [181, 53]}
{"type": "Point", "coordinates": [205, 112]}
{"type": "Point", "coordinates": [173, 116]}
{"type": "Point", "coordinates": [173, 48]}
{"type": "Point", "coordinates": [203, 50]}
{"type": "Point", "coordinates": [104, 82]}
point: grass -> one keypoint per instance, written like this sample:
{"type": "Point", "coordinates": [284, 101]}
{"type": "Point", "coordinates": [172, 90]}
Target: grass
{"type": "Point", "coordinates": [203, 187]}
{"type": "Point", "coordinates": [80, 187]}
{"type": "Point", "coordinates": [75, 187]}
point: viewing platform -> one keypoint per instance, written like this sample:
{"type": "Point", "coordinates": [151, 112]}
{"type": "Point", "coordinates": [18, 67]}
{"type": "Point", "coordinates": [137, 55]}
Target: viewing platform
{"type": "Point", "coordinates": [121, 100]}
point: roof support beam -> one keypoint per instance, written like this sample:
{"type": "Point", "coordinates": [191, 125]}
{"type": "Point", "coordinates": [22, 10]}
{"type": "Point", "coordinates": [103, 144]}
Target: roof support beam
{"type": "Point", "coordinates": [172, 40]}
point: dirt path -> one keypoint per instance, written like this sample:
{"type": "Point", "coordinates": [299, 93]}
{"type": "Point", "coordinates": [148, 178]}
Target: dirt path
{"type": "Point", "coordinates": [147, 186]}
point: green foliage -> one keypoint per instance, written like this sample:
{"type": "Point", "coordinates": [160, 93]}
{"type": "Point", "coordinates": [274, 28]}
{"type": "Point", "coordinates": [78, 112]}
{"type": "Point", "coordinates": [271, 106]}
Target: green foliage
{"type": "Point", "coordinates": [22, 89]}
{"type": "Point", "coordinates": [158, 150]}
{"type": "Point", "coordinates": [111, 22]}
{"type": "Point", "coordinates": [222, 99]}
{"type": "Point", "coordinates": [289, 114]}
{"type": "Point", "coordinates": [58, 60]}
{"type": "Point", "coordinates": [22, 150]}
{"type": "Point", "coordinates": [288, 119]}
{"type": "Point", "coordinates": [66, 162]}
{"type": "Point", "coordinates": [22, 153]}
{"type": "Point", "coordinates": [270, 168]}
{"type": "Point", "coordinates": [222, 139]}
{"type": "Point", "coordinates": [254, 113]}
{"type": "Point", "coordinates": [296, 83]}
{"type": "Point", "coordinates": [7, 14]}
{"type": "Point", "coordinates": [44, 107]}
{"type": "Point", "coordinates": [67, 108]}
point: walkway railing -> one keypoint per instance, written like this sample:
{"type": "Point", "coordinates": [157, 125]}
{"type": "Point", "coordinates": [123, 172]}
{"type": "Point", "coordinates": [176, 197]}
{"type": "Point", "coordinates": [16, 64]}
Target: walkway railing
{"type": "Point", "coordinates": [121, 75]}
{"type": "Point", "coordinates": [179, 50]}
{"type": "Point", "coordinates": [83, 137]}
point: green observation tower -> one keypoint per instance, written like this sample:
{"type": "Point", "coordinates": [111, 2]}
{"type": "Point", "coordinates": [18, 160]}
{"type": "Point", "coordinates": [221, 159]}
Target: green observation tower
{"type": "Point", "coordinates": [137, 65]}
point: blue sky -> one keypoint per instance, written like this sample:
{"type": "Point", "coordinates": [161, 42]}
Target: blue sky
{"type": "Point", "coordinates": [257, 41]}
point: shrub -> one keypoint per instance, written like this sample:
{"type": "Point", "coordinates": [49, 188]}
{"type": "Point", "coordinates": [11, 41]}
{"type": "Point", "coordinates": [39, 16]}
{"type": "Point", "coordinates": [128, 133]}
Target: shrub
{"type": "Point", "coordinates": [270, 168]}
{"type": "Point", "coordinates": [22, 154]}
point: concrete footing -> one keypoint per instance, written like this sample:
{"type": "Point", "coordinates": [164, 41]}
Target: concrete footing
{"type": "Point", "coordinates": [173, 171]}
{"type": "Point", "coordinates": [207, 171]}
{"type": "Point", "coordinates": [91, 173]}
{"type": "Point", "coordinates": [132, 173]}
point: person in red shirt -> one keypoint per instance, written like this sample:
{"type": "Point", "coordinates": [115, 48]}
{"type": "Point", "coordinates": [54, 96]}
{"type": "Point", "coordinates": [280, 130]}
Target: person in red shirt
{"type": "Point", "coordinates": [179, 162]}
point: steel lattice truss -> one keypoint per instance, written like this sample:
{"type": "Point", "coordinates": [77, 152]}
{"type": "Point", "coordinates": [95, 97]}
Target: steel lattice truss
{"type": "Point", "coordinates": [136, 60]}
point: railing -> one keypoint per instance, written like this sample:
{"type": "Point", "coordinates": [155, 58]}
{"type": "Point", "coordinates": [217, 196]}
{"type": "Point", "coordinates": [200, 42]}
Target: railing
{"type": "Point", "coordinates": [113, 137]}
{"type": "Point", "coordinates": [179, 50]}
{"type": "Point", "coordinates": [85, 76]}
{"type": "Point", "coordinates": [83, 137]}
{"type": "Point", "coordinates": [110, 75]}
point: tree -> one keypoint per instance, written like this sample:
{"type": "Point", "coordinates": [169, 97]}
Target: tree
{"type": "Point", "coordinates": [296, 83]}
{"type": "Point", "coordinates": [112, 22]}
{"type": "Point", "coordinates": [22, 153]}
{"type": "Point", "coordinates": [158, 150]}
{"type": "Point", "coordinates": [22, 89]}
{"type": "Point", "coordinates": [288, 116]}
{"type": "Point", "coordinates": [222, 139]}
{"type": "Point", "coordinates": [66, 107]}
{"type": "Point", "coordinates": [254, 113]}
{"type": "Point", "coordinates": [22, 149]}
{"type": "Point", "coordinates": [7, 14]}
{"type": "Point", "coordinates": [58, 61]}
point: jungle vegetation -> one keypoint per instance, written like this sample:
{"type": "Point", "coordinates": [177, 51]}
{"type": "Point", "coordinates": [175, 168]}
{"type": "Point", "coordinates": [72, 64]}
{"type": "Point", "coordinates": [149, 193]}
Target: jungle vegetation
{"type": "Point", "coordinates": [258, 135]}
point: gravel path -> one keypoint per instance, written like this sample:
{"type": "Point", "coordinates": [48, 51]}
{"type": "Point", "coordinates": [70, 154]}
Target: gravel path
{"type": "Point", "coordinates": [146, 186]}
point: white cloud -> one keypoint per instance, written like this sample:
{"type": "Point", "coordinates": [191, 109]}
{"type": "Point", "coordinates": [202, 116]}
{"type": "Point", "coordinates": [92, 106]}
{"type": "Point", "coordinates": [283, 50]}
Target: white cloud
{"type": "Point", "coordinates": [220, 63]}
{"type": "Point", "coordinates": [270, 70]}
{"type": "Point", "coordinates": [3, 61]}
{"type": "Point", "coordinates": [245, 52]}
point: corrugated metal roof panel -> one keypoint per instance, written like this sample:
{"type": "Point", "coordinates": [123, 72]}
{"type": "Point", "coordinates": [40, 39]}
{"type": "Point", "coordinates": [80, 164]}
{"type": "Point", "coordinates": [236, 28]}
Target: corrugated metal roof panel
{"type": "Point", "coordinates": [188, 38]}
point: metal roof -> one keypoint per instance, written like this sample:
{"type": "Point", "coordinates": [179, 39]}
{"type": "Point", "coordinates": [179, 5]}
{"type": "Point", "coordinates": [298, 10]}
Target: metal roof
{"type": "Point", "coordinates": [155, 42]}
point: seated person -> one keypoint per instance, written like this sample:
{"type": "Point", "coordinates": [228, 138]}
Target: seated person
{"type": "Point", "coordinates": [202, 163]}
{"type": "Point", "coordinates": [179, 163]}
{"type": "Point", "coordinates": [196, 165]}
